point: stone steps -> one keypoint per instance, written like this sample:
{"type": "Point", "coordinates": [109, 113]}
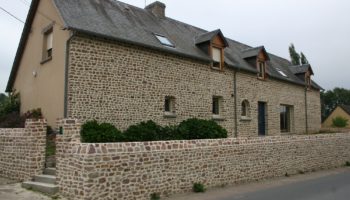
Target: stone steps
{"type": "Point", "coordinates": [43, 183]}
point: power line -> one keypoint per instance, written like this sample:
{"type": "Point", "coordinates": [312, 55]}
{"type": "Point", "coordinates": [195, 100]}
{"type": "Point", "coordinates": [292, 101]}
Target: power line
{"type": "Point", "coordinates": [11, 14]}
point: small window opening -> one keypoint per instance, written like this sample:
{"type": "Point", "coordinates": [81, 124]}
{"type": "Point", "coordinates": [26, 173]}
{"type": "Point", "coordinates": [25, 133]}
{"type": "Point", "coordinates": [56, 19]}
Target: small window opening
{"type": "Point", "coordinates": [245, 109]}
{"type": "Point", "coordinates": [216, 105]}
{"type": "Point", "coordinates": [261, 68]}
{"type": "Point", "coordinates": [285, 118]}
{"type": "Point", "coordinates": [169, 104]}
{"type": "Point", "coordinates": [164, 41]}
{"type": "Point", "coordinates": [48, 39]}
{"type": "Point", "coordinates": [217, 57]}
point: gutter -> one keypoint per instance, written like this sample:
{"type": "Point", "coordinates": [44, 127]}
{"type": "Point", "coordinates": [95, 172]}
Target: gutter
{"type": "Point", "coordinates": [66, 70]}
{"type": "Point", "coordinates": [235, 99]}
{"type": "Point", "coordinates": [306, 113]}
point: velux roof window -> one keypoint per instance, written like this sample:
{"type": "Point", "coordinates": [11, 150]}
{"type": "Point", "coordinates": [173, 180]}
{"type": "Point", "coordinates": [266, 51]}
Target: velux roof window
{"type": "Point", "coordinates": [164, 40]}
{"type": "Point", "coordinates": [281, 72]}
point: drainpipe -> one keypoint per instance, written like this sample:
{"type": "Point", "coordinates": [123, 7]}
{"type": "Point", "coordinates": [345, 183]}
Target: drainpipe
{"type": "Point", "coordinates": [306, 107]}
{"type": "Point", "coordinates": [66, 75]}
{"type": "Point", "coordinates": [235, 99]}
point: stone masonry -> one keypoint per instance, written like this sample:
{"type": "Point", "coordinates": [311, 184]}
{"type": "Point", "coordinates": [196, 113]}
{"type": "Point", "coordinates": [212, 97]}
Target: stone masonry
{"type": "Point", "coordinates": [22, 150]}
{"type": "Point", "coordinates": [125, 84]}
{"type": "Point", "coordinates": [136, 170]}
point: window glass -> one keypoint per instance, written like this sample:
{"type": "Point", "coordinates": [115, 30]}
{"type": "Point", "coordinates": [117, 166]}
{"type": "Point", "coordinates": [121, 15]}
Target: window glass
{"type": "Point", "coordinates": [216, 105]}
{"type": "Point", "coordinates": [285, 118]}
{"type": "Point", "coordinates": [216, 54]}
{"type": "Point", "coordinates": [169, 104]}
{"type": "Point", "coordinates": [261, 69]}
{"type": "Point", "coordinates": [165, 41]}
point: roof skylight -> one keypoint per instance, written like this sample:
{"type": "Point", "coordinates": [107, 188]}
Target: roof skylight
{"type": "Point", "coordinates": [164, 40]}
{"type": "Point", "coordinates": [281, 72]}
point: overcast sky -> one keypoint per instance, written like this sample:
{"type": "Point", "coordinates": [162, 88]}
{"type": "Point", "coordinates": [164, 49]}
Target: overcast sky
{"type": "Point", "coordinates": [319, 28]}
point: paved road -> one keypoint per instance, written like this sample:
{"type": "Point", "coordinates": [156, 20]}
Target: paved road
{"type": "Point", "coordinates": [323, 185]}
{"type": "Point", "coordinates": [332, 187]}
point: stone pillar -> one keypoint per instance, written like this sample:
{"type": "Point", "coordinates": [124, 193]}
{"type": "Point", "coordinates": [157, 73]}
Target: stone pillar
{"type": "Point", "coordinates": [69, 130]}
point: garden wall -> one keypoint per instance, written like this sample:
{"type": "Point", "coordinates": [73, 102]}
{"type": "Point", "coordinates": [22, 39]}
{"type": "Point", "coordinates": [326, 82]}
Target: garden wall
{"type": "Point", "coordinates": [22, 150]}
{"type": "Point", "coordinates": [136, 170]}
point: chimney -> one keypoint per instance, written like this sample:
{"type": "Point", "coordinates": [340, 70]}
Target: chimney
{"type": "Point", "coordinates": [157, 8]}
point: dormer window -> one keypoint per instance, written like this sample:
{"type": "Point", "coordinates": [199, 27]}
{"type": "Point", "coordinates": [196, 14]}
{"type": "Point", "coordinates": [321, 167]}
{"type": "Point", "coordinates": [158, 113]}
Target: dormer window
{"type": "Point", "coordinates": [261, 69]}
{"type": "Point", "coordinates": [217, 57]}
{"type": "Point", "coordinates": [308, 81]}
{"type": "Point", "coordinates": [164, 41]}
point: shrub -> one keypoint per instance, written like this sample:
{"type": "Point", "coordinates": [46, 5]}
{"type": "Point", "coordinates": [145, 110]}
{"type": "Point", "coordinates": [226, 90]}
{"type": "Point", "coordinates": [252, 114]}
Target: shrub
{"type": "Point", "coordinates": [11, 104]}
{"type": "Point", "coordinates": [347, 164]}
{"type": "Point", "coordinates": [144, 131]}
{"type": "Point", "coordinates": [12, 120]}
{"type": "Point", "coordinates": [340, 122]}
{"type": "Point", "coordinates": [93, 132]}
{"type": "Point", "coordinates": [198, 187]}
{"type": "Point", "coordinates": [201, 129]}
{"type": "Point", "coordinates": [170, 133]}
{"type": "Point", "coordinates": [155, 196]}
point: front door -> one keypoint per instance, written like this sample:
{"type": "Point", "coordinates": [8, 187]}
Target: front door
{"type": "Point", "coordinates": [262, 118]}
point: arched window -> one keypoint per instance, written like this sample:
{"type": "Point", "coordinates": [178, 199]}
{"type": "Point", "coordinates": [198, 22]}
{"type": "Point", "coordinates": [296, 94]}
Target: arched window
{"type": "Point", "coordinates": [245, 109]}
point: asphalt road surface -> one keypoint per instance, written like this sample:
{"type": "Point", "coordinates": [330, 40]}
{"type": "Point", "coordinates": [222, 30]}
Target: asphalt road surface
{"type": "Point", "coordinates": [332, 187]}
{"type": "Point", "coordinates": [324, 185]}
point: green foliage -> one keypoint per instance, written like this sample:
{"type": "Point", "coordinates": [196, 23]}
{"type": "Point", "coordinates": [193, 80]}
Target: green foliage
{"type": "Point", "coordinates": [339, 122]}
{"type": "Point", "coordinates": [3, 98]}
{"type": "Point", "coordinates": [332, 98]}
{"type": "Point", "coordinates": [155, 196]}
{"type": "Point", "coordinates": [198, 187]}
{"type": "Point", "coordinates": [303, 59]}
{"type": "Point", "coordinates": [144, 131]}
{"type": "Point", "coordinates": [347, 164]}
{"type": "Point", "coordinates": [93, 132]}
{"type": "Point", "coordinates": [294, 56]}
{"type": "Point", "coordinates": [10, 104]}
{"type": "Point", "coordinates": [201, 129]}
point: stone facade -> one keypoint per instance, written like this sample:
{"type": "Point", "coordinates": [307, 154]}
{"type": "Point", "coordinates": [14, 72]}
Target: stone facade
{"type": "Point", "coordinates": [22, 150]}
{"type": "Point", "coordinates": [136, 170]}
{"type": "Point", "coordinates": [125, 84]}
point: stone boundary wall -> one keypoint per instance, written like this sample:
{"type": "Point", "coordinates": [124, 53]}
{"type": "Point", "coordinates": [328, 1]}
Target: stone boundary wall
{"type": "Point", "coordinates": [22, 150]}
{"type": "Point", "coordinates": [136, 170]}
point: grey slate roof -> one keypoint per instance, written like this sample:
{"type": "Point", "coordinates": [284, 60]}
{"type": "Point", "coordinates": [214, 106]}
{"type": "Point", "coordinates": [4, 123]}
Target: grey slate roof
{"type": "Point", "coordinates": [252, 52]}
{"type": "Point", "coordinates": [300, 69]}
{"type": "Point", "coordinates": [205, 37]}
{"type": "Point", "coordinates": [346, 108]}
{"type": "Point", "coordinates": [123, 22]}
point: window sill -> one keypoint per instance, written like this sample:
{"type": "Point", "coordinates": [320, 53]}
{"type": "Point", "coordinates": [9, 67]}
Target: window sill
{"type": "Point", "coordinates": [169, 115]}
{"type": "Point", "coordinates": [216, 69]}
{"type": "Point", "coordinates": [46, 60]}
{"type": "Point", "coordinates": [218, 118]}
{"type": "Point", "coordinates": [245, 119]}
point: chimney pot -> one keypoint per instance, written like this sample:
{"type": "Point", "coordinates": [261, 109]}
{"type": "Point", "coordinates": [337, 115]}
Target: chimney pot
{"type": "Point", "coordinates": [157, 8]}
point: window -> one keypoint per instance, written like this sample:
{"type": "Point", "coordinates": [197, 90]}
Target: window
{"type": "Point", "coordinates": [216, 105]}
{"type": "Point", "coordinates": [48, 39]}
{"type": "Point", "coordinates": [217, 57]}
{"type": "Point", "coordinates": [261, 69]}
{"type": "Point", "coordinates": [245, 109]}
{"type": "Point", "coordinates": [164, 41]}
{"type": "Point", "coordinates": [169, 106]}
{"type": "Point", "coordinates": [285, 118]}
{"type": "Point", "coordinates": [281, 72]}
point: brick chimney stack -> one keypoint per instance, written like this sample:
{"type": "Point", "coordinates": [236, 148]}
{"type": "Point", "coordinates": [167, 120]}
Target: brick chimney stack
{"type": "Point", "coordinates": [157, 8]}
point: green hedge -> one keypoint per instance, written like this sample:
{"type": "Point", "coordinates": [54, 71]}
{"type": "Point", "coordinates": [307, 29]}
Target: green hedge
{"type": "Point", "coordinates": [93, 132]}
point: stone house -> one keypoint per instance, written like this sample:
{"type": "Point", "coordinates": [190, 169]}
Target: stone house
{"type": "Point", "coordinates": [113, 62]}
{"type": "Point", "coordinates": [340, 111]}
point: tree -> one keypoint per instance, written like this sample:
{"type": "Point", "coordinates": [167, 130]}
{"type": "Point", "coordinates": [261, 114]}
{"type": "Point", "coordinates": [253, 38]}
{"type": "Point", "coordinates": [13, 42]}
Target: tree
{"type": "Point", "coordinates": [3, 98]}
{"type": "Point", "coordinates": [294, 56]}
{"type": "Point", "coordinates": [303, 59]}
{"type": "Point", "coordinates": [332, 98]}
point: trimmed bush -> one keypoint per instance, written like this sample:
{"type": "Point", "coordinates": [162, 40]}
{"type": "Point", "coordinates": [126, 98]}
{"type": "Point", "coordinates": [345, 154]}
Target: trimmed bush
{"type": "Point", "coordinates": [93, 132]}
{"type": "Point", "coordinates": [340, 122]}
{"type": "Point", "coordinates": [144, 131]}
{"type": "Point", "coordinates": [201, 129]}
{"type": "Point", "coordinates": [155, 196]}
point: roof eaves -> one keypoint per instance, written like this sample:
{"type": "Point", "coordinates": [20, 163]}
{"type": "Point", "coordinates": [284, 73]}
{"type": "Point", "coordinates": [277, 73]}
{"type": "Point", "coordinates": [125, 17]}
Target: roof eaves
{"type": "Point", "coordinates": [22, 44]}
